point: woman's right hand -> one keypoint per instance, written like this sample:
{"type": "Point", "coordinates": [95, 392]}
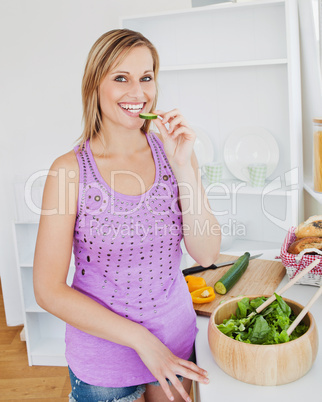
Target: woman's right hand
{"type": "Point", "coordinates": [163, 364]}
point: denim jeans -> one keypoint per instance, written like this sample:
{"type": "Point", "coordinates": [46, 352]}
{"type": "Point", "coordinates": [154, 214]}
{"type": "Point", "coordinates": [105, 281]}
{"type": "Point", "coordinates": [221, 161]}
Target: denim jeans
{"type": "Point", "coordinates": [83, 392]}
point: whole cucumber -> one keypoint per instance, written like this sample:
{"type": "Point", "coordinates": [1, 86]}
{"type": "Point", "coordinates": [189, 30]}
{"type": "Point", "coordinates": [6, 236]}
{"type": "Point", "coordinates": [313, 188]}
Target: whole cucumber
{"type": "Point", "coordinates": [232, 276]}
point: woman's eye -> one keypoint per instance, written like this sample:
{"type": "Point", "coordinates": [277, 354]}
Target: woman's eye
{"type": "Point", "coordinates": [146, 79]}
{"type": "Point", "coordinates": [120, 79]}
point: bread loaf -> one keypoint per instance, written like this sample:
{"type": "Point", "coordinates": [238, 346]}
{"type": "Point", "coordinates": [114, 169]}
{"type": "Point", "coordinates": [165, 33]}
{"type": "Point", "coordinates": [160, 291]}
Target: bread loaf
{"type": "Point", "coordinates": [311, 227]}
{"type": "Point", "coordinates": [304, 243]}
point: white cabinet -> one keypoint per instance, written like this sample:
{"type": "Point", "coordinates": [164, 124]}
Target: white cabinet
{"type": "Point", "coordinates": [44, 333]}
{"type": "Point", "coordinates": [232, 66]}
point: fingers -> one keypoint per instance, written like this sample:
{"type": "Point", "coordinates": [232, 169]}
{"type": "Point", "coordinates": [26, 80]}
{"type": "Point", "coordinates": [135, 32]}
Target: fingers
{"type": "Point", "coordinates": [186, 132]}
{"type": "Point", "coordinates": [186, 369]}
{"type": "Point", "coordinates": [161, 127]}
{"type": "Point", "coordinates": [168, 116]}
{"type": "Point", "coordinates": [173, 117]}
{"type": "Point", "coordinates": [163, 365]}
{"type": "Point", "coordinates": [193, 372]}
{"type": "Point", "coordinates": [177, 124]}
{"type": "Point", "coordinates": [202, 375]}
{"type": "Point", "coordinates": [179, 387]}
{"type": "Point", "coordinates": [165, 386]}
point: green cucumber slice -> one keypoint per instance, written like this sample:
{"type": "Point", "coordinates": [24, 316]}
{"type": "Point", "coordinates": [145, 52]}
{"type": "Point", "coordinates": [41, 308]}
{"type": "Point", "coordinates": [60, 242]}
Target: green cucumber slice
{"type": "Point", "coordinates": [148, 116]}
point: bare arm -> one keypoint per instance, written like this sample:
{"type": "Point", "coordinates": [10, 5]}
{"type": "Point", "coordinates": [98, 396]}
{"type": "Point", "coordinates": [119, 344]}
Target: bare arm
{"type": "Point", "coordinates": [202, 235]}
{"type": "Point", "coordinates": [51, 264]}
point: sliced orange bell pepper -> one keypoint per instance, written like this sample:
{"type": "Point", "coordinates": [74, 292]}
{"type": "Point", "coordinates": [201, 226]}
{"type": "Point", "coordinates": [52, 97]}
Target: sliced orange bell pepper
{"type": "Point", "coordinates": [195, 282]}
{"type": "Point", "coordinates": [203, 295]}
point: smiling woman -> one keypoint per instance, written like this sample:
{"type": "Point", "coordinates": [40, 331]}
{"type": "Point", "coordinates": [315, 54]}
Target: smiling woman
{"type": "Point", "coordinates": [131, 325]}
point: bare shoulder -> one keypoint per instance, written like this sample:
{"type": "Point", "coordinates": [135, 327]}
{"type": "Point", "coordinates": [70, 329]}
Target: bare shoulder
{"type": "Point", "coordinates": [67, 162]}
{"type": "Point", "coordinates": [61, 187]}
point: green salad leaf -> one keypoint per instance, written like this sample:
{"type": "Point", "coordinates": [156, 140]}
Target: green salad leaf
{"type": "Point", "coordinates": [268, 327]}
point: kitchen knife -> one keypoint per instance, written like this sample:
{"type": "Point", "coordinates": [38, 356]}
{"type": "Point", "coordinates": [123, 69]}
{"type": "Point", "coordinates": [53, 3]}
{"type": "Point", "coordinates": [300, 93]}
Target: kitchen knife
{"type": "Point", "coordinates": [199, 268]}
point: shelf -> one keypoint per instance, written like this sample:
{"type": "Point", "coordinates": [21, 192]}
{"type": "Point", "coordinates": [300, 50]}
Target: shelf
{"type": "Point", "coordinates": [233, 186]}
{"type": "Point", "coordinates": [246, 63]}
{"type": "Point", "coordinates": [309, 187]}
{"type": "Point", "coordinates": [26, 222]}
{"type": "Point", "coordinates": [27, 261]}
{"type": "Point", "coordinates": [212, 7]}
{"type": "Point", "coordinates": [45, 337]}
{"type": "Point", "coordinates": [30, 303]}
{"type": "Point", "coordinates": [28, 264]}
{"type": "Point", "coordinates": [49, 352]}
{"type": "Point", "coordinates": [33, 307]}
{"type": "Point", "coordinates": [217, 36]}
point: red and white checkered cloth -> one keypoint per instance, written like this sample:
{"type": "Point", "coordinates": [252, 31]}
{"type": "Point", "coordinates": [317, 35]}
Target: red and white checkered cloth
{"type": "Point", "coordinates": [289, 260]}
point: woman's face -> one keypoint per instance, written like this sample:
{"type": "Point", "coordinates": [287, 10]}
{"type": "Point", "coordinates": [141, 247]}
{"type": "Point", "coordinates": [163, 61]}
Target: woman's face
{"type": "Point", "coordinates": [127, 90]}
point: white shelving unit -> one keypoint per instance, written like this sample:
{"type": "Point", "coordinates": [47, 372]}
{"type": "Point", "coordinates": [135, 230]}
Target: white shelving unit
{"type": "Point", "coordinates": [45, 334]}
{"type": "Point", "coordinates": [235, 65]}
{"type": "Point", "coordinates": [309, 187]}
{"type": "Point", "coordinates": [247, 63]}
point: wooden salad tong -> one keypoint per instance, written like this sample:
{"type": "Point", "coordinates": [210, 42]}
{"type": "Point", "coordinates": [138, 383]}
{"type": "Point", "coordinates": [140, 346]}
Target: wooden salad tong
{"type": "Point", "coordinates": [284, 288]}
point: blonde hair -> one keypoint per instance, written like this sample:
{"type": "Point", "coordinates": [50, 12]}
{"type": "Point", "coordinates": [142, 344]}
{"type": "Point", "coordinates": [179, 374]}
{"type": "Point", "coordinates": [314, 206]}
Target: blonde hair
{"type": "Point", "coordinates": [101, 58]}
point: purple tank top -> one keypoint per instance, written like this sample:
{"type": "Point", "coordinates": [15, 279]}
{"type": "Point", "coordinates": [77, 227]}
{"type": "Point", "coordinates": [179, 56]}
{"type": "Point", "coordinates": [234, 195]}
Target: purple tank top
{"type": "Point", "coordinates": [127, 257]}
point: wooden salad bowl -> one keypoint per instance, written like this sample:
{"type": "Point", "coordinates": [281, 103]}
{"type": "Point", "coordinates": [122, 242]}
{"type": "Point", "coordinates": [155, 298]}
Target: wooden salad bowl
{"type": "Point", "coordinates": [262, 364]}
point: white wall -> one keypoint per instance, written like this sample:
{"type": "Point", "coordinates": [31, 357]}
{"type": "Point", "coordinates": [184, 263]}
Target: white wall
{"type": "Point", "coordinates": [44, 45]}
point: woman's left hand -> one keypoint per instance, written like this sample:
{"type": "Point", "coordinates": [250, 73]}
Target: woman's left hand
{"type": "Point", "coordinates": [178, 137]}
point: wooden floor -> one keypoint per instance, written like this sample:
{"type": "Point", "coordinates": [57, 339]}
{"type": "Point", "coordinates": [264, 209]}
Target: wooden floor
{"type": "Point", "coordinates": [19, 381]}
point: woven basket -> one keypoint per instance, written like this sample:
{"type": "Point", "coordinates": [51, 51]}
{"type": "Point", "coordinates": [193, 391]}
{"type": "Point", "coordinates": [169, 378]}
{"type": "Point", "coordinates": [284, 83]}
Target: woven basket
{"type": "Point", "coordinates": [314, 277]}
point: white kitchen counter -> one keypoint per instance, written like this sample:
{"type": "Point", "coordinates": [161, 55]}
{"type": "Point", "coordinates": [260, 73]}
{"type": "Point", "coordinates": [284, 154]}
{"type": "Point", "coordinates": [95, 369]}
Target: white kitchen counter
{"type": "Point", "coordinates": [222, 387]}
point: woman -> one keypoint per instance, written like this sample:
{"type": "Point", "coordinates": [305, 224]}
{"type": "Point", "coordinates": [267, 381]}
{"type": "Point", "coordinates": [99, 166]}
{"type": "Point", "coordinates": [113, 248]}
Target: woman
{"type": "Point", "coordinates": [122, 200]}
